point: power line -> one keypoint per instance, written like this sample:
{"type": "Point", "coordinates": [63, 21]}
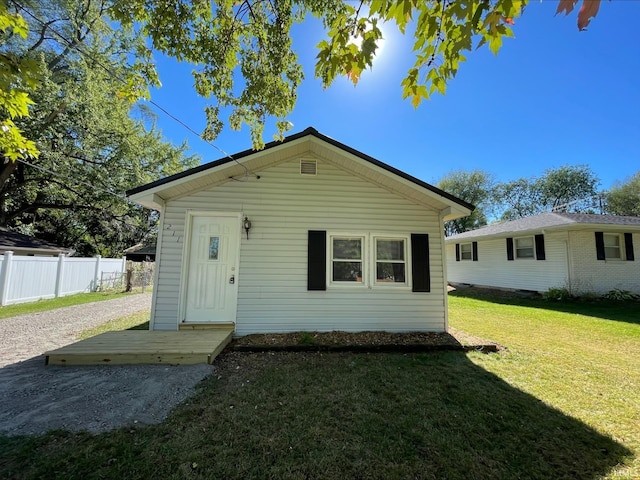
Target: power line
{"type": "Point", "coordinates": [122, 80]}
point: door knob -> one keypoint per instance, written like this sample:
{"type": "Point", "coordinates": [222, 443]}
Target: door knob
{"type": "Point", "coordinates": [232, 279]}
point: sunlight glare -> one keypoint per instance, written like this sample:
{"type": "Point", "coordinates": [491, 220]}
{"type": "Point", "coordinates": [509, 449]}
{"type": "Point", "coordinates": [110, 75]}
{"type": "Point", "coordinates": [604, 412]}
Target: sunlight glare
{"type": "Point", "coordinates": [357, 41]}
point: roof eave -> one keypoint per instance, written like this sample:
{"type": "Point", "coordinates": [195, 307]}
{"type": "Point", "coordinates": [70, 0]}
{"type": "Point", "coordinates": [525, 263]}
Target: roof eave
{"type": "Point", "coordinates": [149, 200]}
{"type": "Point", "coordinates": [453, 213]}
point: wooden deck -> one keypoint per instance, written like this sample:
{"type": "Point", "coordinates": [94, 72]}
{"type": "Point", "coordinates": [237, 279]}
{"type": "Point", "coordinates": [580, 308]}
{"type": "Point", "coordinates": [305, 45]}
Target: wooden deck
{"type": "Point", "coordinates": [144, 346]}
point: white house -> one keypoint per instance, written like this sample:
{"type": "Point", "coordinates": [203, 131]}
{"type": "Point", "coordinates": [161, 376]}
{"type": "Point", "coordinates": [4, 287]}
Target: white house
{"type": "Point", "coordinates": [307, 234]}
{"type": "Point", "coordinates": [581, 252]}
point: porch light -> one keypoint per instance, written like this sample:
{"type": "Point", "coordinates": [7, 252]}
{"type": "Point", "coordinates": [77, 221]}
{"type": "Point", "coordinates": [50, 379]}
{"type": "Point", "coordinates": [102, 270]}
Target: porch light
{"type": "Point", "coordinates": [247, 226]}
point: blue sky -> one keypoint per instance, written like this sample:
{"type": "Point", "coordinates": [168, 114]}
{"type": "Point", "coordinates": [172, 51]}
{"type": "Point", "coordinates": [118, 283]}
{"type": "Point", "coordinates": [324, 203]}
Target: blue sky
{"type": "Point", "coordinates": [553, 96]}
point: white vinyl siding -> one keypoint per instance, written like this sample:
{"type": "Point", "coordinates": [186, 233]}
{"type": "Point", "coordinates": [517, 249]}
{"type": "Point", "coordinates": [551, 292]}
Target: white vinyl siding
{"type": "Point", "coordinates": [272, 279]}
{"type": "Point", "coordinates": [494, 270]}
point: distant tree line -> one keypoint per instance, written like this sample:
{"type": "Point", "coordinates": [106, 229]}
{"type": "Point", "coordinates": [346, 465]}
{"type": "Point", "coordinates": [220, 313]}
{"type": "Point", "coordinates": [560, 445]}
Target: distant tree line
{"type": "Point", "coordinates": [570, 188]}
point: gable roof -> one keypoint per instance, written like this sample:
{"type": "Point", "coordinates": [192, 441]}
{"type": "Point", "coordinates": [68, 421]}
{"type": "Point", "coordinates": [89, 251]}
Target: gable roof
{"type": "Point", "coordinates": [154, 194]}
{"type": "Point", "coordinates": [25, 244]}
{"type": "Point", "coordinates": [549, 220]}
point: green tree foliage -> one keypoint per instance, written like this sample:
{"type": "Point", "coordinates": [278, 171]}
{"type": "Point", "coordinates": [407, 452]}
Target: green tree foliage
{"type": "Point", "coordinates": [624, 197]}
{"type": "Point", "coordinates": [246, 64]}
{"type": "Point", "coordinates": [475, 187]}
{"type": "Point", "coordinates": [91, 149]}
{"type": "Point", "coordinates": [16, 74]}
{"type": "Point", "coordinates": [568, 188]}
{"type": "Point", "coordinates": [516, 199]}
{"type": "Point", "coordinates": [564, 189]}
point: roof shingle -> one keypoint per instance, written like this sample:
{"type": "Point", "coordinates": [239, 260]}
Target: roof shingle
{"type": "Point", "coordinates": [547, 220]}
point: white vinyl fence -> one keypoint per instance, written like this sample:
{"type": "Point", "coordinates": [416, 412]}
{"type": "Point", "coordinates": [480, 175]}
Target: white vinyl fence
{"type": "Point", "coordinates": [26, 279]}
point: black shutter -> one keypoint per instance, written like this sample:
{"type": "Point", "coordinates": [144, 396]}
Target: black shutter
{"type": "Point", "coordinates": [509, 248]}
{"type": "Point", "coordinates": [540, 255]}
{"type": "Point", "coordinates": [420, 262]}
{"type": "Point", "coordinates": [317, 260]}
{"type": "Point", "coordinates": [457, 252]}
{"type": "Point", "coordinates": [628, 246]}
{"type": "Point", "coordinates": [474, 247]}
{"type": "Point", "coordinates": [600, 246]}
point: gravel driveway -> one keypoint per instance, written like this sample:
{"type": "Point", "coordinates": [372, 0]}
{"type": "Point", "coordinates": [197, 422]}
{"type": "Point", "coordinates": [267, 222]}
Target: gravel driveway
{"type": "Point", "coordinates": [36, 398]}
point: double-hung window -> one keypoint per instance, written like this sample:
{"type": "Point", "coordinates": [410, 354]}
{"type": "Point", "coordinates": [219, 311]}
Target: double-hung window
{"type": "Point", "coordinates": [347, 259]}
{"type": "Point", "coordinates": [391, 260]}
{"type": "Point", "coordinates": [368, 260]}
{"type": "Point", "coordinates": [466, 252]}
{"type": "Point", "coordinates": [524, 247]}
{"type": "Point", "coordinates": [612, 246]}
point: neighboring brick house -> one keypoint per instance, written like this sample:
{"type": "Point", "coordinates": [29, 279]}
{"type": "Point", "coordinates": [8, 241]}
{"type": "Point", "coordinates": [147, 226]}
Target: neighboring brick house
{"type": "Point", "coordinates": [584, 253]}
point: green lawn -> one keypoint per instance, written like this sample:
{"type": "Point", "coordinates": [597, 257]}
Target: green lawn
{"type": "Point", "coordinates": [137, 321]}
{"type": "Point", "coordinates": [51, 304]}
{"type": "Point", "coordinates": [582, 358]}
{"type": "Point", "coordinates": [562, 402]}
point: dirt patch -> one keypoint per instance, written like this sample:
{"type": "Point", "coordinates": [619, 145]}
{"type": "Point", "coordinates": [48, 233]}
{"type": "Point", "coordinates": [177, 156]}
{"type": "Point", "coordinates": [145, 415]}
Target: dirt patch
{"type": "Point", "coordinates": [475, 291]}
{"type": "Point", "coordinates": [371, 341]}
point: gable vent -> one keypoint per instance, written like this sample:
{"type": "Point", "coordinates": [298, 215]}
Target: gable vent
{"type": "Point", "coordinates": [308, 167]}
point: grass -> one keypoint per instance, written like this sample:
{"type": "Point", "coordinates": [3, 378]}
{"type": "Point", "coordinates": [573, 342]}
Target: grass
{"type": "Point", "coordinates": [51, 304]}
{"type": "Point", "coordinates": [561, 403]}
{"type": "Point", "coordinates": [581, 357]}
{"type": "Point", "coordinates": [137, 321]}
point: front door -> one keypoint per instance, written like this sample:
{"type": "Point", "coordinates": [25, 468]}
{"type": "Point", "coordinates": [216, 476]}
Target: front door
{"type": "Point", "coordinates": [212, 289]}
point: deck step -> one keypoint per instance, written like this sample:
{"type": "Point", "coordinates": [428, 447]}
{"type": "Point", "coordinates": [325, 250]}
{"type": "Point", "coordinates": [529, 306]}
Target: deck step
{"type": "Point", "coordinates": [143, 347]}
{"type": "Point", "coordinates": [207, 326]}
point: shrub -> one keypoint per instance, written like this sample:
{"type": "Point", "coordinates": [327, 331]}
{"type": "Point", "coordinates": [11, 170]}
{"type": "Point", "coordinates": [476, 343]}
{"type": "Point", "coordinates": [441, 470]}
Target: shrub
{"type": "Point", "coordinates": [619, 295]}
{"type": "Point", "coordinates": [557, 294]}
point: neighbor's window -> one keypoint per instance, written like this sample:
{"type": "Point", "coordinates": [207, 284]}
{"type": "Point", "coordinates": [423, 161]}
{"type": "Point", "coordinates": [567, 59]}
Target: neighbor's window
{"type": "Point", "coordinates": [524, 247]}
{"type": "Point", "coordinates": [465, 251]}
{"type": "Point", "coordinates": [391, 260]}
{"type": "Point", "coordinates": [347, 259]}
{"type": "Point", "coordinates": [612, 250]}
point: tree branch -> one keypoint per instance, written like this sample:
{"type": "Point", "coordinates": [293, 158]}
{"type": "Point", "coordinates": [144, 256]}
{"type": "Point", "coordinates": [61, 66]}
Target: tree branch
{"type": "Point", "coordinates": [32, 207]}
{"type": "Point", "coordinates": [43, 35]}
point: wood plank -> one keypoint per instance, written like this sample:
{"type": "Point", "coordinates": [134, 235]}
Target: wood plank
{"type": "Point", "coordinates": [206, 326]}
{"type": "Point", "coordinates": [126, 359]}
{"type": "Point", "coordinates": [143, 346]}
